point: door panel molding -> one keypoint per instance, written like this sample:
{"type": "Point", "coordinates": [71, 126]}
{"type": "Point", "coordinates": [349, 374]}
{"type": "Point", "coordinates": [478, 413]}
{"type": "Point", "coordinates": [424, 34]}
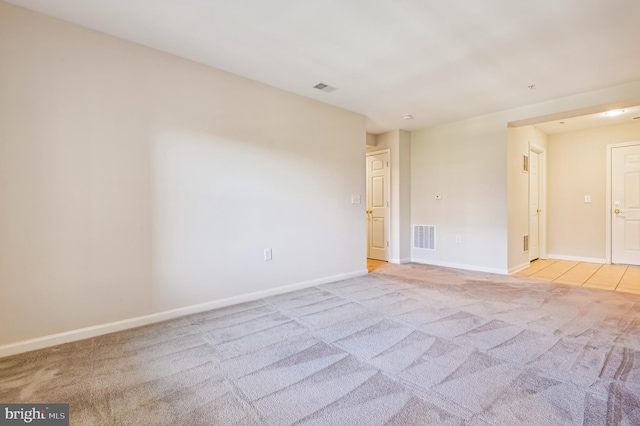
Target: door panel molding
{"type": "Point", "coordinates": [542, 199]}
{"type": "Point", "coordinates": [608, 204]}
{"type": "Point", "coordinates": [376, 248]}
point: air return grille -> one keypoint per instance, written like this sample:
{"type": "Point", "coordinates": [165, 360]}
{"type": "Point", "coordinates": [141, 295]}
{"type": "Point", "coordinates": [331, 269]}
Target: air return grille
{"type": "Point", "coordinates": [525, 243]}
{"type": "Point", "coordinates": [324, 87]}
{"type": "Point", "coordinates": [424, 237]}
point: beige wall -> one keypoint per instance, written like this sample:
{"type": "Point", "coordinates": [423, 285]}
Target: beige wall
{"type": "Point", "coordinates": [465, 163]}
{"type": "Point", "coordinates": [577, 167]}
{"type": "Point", "coordinates": [404, 198]}
{"type": "Point", "coordinates": [134, 182]}
{"type": "Point", "coordinates": [469, 163]}
{"type": "Point", "coordinates": [371, 142]}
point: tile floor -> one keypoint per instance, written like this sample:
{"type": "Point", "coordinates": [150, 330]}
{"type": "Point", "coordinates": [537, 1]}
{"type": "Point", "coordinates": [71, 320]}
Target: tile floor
{"type": "Point", "coordinates": [609, 277]}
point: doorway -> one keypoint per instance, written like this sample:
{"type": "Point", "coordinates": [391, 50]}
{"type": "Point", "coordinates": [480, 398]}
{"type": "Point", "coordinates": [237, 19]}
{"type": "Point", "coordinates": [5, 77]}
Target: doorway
{"type": "Point", "coordinates": [378, 189]}
{"type": "Point", "coordinates": [537, 191]}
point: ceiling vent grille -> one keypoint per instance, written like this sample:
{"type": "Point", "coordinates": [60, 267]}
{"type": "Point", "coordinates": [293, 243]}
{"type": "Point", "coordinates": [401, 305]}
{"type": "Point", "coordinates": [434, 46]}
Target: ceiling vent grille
{"type": "Point", "coordinates": [324, 87]}
{"type": "Point", "coordinates": [424, 237]}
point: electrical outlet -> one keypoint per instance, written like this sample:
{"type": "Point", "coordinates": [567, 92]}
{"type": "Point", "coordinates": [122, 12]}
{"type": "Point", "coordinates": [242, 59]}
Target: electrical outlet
{"type": "Point", "coordinates": [268, 254]}
{"type": "Point", "coordinates": [458, 238]}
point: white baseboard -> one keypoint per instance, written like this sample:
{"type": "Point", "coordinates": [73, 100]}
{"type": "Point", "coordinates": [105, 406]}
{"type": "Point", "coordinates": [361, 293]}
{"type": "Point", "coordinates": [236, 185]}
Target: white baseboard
{"type": "Point", "coordinates": [111, 327]}
{"type": "Point", "coordinates": [400, 261]}
{"type": "Point", "coordinates": [519, 268]}
{"type": "Point", "coordinates": [577, 258]}
{"type": "Point", "coordinates": [461, 266]}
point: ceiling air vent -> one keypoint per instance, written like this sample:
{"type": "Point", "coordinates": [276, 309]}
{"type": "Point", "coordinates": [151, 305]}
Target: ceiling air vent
{"type": "Point", "coordinates": [324, 87]}
{"type": "Point", "coordinates": [424, 237]}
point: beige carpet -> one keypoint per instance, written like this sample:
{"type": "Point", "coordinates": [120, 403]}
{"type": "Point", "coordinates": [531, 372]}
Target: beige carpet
{"type": "Point", "coordinates": [408, 344]}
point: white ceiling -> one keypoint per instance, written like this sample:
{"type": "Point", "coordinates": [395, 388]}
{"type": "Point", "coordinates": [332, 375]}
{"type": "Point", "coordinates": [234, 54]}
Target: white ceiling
{"type": "Point", "coordinates": [437, 60]}
{"type": "Point", "coordinates": [601, 119]}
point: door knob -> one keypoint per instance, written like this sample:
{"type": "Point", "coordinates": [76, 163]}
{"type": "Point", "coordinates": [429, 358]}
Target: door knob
{"type": "Point", "coordinates": [617, 211]}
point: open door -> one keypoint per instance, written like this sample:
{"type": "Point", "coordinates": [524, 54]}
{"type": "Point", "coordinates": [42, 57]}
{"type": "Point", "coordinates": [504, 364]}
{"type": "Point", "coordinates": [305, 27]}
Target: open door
{"type": "Point", "coordinates": [534, 205]}
{"type": "Point", "coordinates": [378, 206]}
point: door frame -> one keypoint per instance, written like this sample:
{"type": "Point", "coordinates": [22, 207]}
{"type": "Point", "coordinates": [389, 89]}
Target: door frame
{"type": "Point", "coordinates": [542, 199]}
{"type": "Point", "coordinates": [608, 244]}
{"type": "Point", "coordinates": [387, 189]}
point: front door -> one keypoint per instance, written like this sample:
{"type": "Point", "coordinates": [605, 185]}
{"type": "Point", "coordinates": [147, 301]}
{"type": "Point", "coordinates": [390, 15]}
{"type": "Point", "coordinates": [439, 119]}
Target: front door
{"type": "Point", "coordinates": [378, 206]}
{"type": "Point", "coordinates": [625, 205]}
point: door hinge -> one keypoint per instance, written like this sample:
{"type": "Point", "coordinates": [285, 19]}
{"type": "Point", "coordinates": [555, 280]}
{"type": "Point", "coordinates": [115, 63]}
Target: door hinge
{"type": "Point", "coordinates": [387, 243]}
{"type": "Point", "coordinates": [387, 164]}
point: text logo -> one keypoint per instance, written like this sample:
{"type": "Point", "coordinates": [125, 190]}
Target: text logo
{"type": "Point", "coordinates": [34, 414]}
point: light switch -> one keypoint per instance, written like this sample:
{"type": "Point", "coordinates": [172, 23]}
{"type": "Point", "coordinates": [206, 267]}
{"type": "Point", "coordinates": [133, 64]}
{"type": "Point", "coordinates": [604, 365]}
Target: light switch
{"type": "Point", "coordinates": [438, 197]}
{"type": "Point", "coordinates": [355, 199]}
{"type": "Point", "coordinates": [587, 199]}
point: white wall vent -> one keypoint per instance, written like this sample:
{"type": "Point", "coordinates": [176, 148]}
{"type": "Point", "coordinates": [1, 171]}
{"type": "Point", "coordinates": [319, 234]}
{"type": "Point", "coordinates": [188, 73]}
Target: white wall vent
{"type": "Point", "coordinates": [525, 243]}
{"type": "Point", "coordinates": [424, 237]}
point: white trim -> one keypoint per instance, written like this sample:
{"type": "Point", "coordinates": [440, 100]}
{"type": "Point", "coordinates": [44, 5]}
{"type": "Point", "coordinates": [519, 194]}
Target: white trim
{"type": "Point", "coordinates": [111, 327]}
{"type": "Point", "coordinates": [380, 151]}
{"type": "Point", "coordinates": [610, 148]}
{"type": "Point", "coordinates": [577, 258]}
{"type": "Point", "coordinates": [400, 261]}
{"type": "Point", "coordinates": [461, 266]}
{"type": "Point", "coordinates": [519, 268]}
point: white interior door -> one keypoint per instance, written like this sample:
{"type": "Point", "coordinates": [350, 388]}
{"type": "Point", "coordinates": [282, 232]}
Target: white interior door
{"type": "Point", "coordinates": [625, 205]}
{"type": "Point", "coordinates": [378, 206]}
{"type": "Point", "coordinates": [534, 205]}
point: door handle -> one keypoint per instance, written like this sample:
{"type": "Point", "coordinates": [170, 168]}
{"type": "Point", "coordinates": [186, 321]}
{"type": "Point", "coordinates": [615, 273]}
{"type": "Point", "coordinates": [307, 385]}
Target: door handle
{"type": "Point", "coordinates": [618, 211]}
